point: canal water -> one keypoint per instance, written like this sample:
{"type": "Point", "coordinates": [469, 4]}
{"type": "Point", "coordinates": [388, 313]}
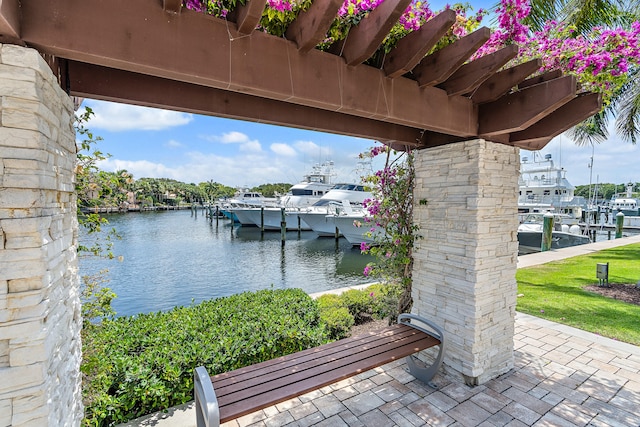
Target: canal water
{"type": "Point", "coordinates": [174, 258]}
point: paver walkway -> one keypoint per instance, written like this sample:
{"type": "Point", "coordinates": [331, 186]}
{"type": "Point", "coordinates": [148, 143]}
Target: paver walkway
{"type": "Point", "coordinates": [562, 377]}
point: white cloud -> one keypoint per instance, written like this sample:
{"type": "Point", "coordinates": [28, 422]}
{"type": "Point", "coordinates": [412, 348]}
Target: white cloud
{"type": "Point", "coordinates": [283, 149]}
{"type": "Point", "coordinates": [251, 146]}
{"type": "Point", "coordinates": [313, 150]}
{"type": "Point", "coordinates": [232, 138]}
{"type": "Point", "coordinates": [246, 144]}
{"type": "Point", "coordinates": [121, 117]}
{"type": "Point", "coordinates": [173, 144]}
{"type": "Point", "coordinates": [245, 170]}
{"type": "Point", "coordinates": [139, 168]}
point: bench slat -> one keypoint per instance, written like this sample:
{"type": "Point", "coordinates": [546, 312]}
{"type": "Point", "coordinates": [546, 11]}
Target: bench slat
{"type": "Point", "coordinates": [351, 342]}
{"type": "Point", "coordinates": [231, 379]}
{"type": "Point", "coordinates": [339, 361]}
{"type": "Point", "coordinates": [293, 372]}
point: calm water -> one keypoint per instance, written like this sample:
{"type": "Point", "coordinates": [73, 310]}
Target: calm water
{"type": "Point", "coordinates": [173, 258]}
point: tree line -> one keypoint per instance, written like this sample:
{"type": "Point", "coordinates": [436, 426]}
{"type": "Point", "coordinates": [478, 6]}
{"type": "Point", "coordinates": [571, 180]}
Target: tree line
{"type": "Point", "coordinates": [115, 189]}
{"type": "Point", "coordinates": [604, 191]}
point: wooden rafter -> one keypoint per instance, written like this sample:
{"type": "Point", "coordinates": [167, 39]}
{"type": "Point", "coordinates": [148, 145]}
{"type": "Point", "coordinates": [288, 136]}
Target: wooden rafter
{"type": "Point", "coordinates": [311, 26]}
{"type": "Point", "coordinates": [247, 16]}
{"type": "Point", "coordinates": [519, 110]}
{"type": "Point", "coordinates": [545, 77]}
{"type": "Point", "coordinates": [10, 18]}
{"type": "Point", "coordinates": [473, 74]}
{"type": "Point", "coordinates": [413, 47]}
{"type": "Point", "coordinates": [502, 82]}
{"type": "Point", "coordinates": [172, 6]}
{"type": "Point", "coordinates": [363, 40]}
{"type": "Point", "coordinates": [440, 65]}
{"type": "Point", "coordinates": [570, 114]}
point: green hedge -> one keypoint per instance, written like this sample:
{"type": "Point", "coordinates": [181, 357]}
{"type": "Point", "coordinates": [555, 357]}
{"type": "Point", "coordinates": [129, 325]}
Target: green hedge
{"type": "Point", "coordinates": [335, 315]}
{"type": "Point", "coordinates": [136, 365]}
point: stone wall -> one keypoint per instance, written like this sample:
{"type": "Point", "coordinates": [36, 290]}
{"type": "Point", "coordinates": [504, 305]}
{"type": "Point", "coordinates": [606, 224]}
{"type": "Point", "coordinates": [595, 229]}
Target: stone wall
{"type": "Point", "coordinates": [465, 264]}
{"type": "Point", "coordinates": [40, 322]}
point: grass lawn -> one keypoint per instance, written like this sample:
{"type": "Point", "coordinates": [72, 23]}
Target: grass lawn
{"type": "Point", "coordinates": [554, 291]}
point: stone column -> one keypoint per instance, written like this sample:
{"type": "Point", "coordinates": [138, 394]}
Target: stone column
{"type": "Point", "coordinates": [40, 321]}
{"type": "Point", "coordinates": [465, 263]}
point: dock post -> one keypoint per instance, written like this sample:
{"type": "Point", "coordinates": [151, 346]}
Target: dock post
{"type": "Point", "coordinates": [619, 224]}
{"type": "Point", "coordinates": [299, 226]}
{"type": "Point", "coordinates": [283, 226]}
{"type": "Point", "coordinates": [547, 232]}
{"type": "Point", "coordinates": [262, 219]}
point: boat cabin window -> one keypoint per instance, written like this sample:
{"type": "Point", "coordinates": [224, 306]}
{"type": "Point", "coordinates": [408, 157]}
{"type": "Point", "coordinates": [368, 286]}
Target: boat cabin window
{"type": "Point", "coordinates": [301, 192]}
{"type": "Point", "coordinates": [547, 192]}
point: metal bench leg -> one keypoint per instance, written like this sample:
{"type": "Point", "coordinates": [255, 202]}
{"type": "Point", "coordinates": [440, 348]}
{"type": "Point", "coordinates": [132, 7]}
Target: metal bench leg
{"type": "Point", "coordinates": [207, 410]}
{"type": "Point", "coordinates": [424, 374]}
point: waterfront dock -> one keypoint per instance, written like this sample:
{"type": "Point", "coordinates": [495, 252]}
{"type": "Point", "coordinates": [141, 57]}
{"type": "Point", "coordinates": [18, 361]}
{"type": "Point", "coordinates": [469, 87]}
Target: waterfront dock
{"type": "Point", "coordinates": [562, 376]}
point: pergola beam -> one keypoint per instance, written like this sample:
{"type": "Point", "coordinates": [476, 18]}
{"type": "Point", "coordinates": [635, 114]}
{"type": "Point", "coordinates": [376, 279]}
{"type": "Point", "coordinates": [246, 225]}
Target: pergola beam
{"type": "Point", "coordinates": [503, 81]}
{"type": "Point", "coordinates": [86, 80]}
{"type": "Point", "coordinates": [364, 39]}
{"type": "Point", "coordinates": [311, 26]}
{"type": "Point", "coordinates": [204, 50]}
{"type": "Point", "coordinates": [440, 65]}
{"type": "Point", "coordinates": [414, 46]}
{"type": "Point", "coordinates": [473, 74]}
{"type": "Point", "coordinates": [519, 110]}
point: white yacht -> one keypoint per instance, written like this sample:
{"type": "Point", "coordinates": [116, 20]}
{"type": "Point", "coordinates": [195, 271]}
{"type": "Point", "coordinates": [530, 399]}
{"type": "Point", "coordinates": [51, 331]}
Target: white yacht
{"type": "Point", "coordinates": [544, 187]}
{"type": "Point", "coordinates": [626, 203]}
{"type": "Point", "coordinates": [302, 195]}
{"type": "Point", "coordinates": [341, 197]}
{"type": "Point", "coordinates": [244, 199]}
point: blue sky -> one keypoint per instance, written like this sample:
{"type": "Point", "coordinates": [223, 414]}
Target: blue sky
{"type": "Point", "coordinates": [192, 148]}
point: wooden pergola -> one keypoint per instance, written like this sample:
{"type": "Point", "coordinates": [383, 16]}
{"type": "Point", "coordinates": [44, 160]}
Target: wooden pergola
{"type": "Point", "coordinates": [156, 53]}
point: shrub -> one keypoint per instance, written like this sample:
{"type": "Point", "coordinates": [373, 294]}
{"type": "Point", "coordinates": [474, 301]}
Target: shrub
{"type": "Point", "coordinates": [384, 300]}
{"type": "Point", "coordinates": [335, 316]}
{"type": "Point", "coordinates": [359, 304]}
{"type": "Point", "coordinates": [136, 365]}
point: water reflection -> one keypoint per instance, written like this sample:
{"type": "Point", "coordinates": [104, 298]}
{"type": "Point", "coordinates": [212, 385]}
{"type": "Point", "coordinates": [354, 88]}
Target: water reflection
{"type": "Point", "coordinates": [174, 258]}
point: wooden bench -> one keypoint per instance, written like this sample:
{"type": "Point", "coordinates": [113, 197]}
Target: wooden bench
{"type": "Point", "coordinates": [258, 386]}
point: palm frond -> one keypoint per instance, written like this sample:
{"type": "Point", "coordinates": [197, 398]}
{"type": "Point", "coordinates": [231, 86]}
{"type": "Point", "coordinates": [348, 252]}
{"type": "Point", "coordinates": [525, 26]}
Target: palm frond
{"type": "Point", "coordinates": [592, 130]}
{"type": "Point", "coordinates": [628, 120]}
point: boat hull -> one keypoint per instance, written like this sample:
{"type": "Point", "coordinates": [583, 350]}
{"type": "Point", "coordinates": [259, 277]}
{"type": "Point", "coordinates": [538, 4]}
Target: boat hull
{"type": "Point", "coordinates": [271, 218]}
{"type": "Point", "coordinates": [320, 222]}
{"type": "Point", "coordinates": [531, 241]}
{"type": "Point", "coordinates": [354, 229]}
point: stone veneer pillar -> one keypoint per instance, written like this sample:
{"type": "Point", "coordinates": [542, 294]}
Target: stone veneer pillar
{"type": "Point", "coordinates": [465, 264]}
{"type": "Point", "coordinates": [40, 320]}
